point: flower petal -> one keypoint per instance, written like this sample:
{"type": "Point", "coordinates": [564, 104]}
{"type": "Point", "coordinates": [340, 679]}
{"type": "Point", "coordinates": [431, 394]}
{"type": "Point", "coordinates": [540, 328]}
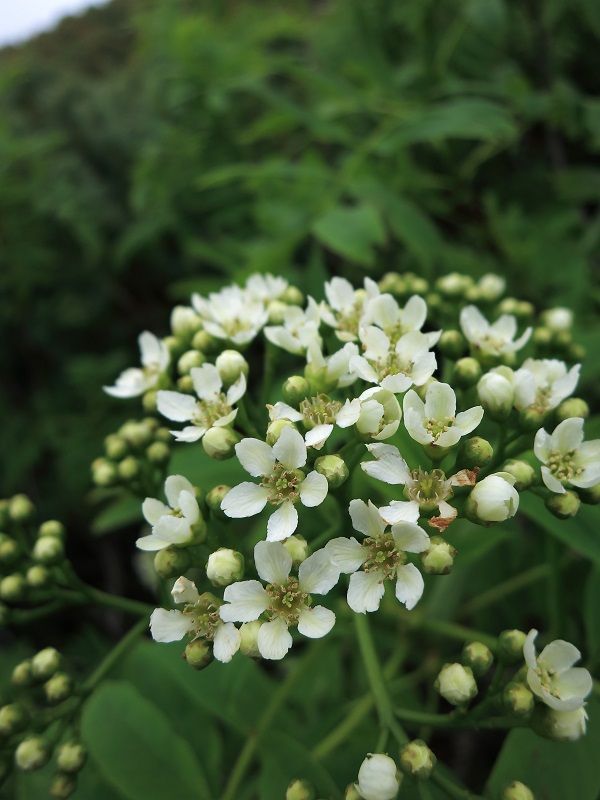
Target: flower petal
{"type": "Point", "coordinates": [282, 522]}
{"type": "Point", "coordinates": [313, 489]}
{"type": "Point", "coordinates": [568, 435]}
{"type": "Point", "coordinates": [390, 467]}
{"type": "Point", "coordinates": [318, 573]}
{"type": "Point", "coordinates": [401, 511]}
{"type": "Point", "coordinates": [365, 591]}
{"type": "Point", "coordinates": [151, 543]}
{"type": "Point", "coordinates": [184, 591]}
{"type": "Point", "coordinates": [176, 406]}
{"type": "Point", "coordinates": [410, 537]}
{"type": "Point", "coordinates": [559, 655]}
{"type": "Point", "coordinates": [348, 555]}
{"type": "Point", "coordinates": [273, 562]}
{"type": "Point", "coordinates": [440, 401]}
{"type": "Point", "coordinates": [255, 456]}
{"type": "Point", "coordinates": [366, 518]}
{"type": "Point", "coordinates": [317, 436]}
{"type": "Point", "coordinates": [169, 626]}
{"type": "Point", "coordinates": [273, 640]}
{"type": "Point", "coordinates": [245, 601]}
{"type": "Point", "coordinates": [409, 585]}
{"type": "Point", "coordinates": [174, 485]}
{"type": "Point", "coordinates": [207, 381]}
{"type": "Point", "coordinates": [237, 390]}
{"type": "Point", "coordinates": [189, 507]}
{"type": "Point", "coordinates": [153, 510]}
{"type": "Point", "coordinates": [290, 449]}
{"type": "Point", "coordinates": [529, 653]}
{"type": "Point", "coordinates": [467, 421]}
{"type": "Point", "coordinates": [315, 622]}
{"type": "Point", "coordinates": [244, 500]}
{"type": "Point", "coordinates": [226, 642]}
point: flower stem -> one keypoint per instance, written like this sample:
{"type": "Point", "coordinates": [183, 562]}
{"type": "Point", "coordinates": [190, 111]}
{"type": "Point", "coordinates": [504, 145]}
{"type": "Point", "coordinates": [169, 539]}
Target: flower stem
{"type": "Point", "coordinates": [115, 655]}
{"type": "Point", "coordinates": [553, 589]}
{"type": "Point", "coordinates": [458, 632]}
{"type": "Point", "coordinates": [373, 670]}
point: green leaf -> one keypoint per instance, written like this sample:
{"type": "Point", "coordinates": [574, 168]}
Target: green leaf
{"type": "Point", "coordinates": [136, 750]}
{"type": "Point", "coordinates": [122, 512]}
{"type": "Point", "coordinates": [352, 232]}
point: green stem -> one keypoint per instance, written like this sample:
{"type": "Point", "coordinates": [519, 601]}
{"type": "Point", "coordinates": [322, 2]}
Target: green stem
{"type": "Point", "coordinates": [553, 587]}
{"type": "Point", "coordinates": [502, 590]}
{"type": "Point", "coordinates": [452, 720]}
{"type": "Point", "coordinates": [458, 632]}
{"type": "Point", "coordinates": [373, 670]}
{"type": "Point", "coordinates": [115, 655]}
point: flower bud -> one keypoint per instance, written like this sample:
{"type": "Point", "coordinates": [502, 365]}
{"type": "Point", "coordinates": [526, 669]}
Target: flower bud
{"type": "Point", "coordinates": [219, 443]}
{"type": "Point", "coordinates": [184, 322]}
{"type": "Point", "coordinates": [103, 472]}
{"type": "Point", "coordinates": [158, 453]}
{"type": "Point", "coordinates": [466, 372]}
{"type": "Point", "coordinates": [576, 352]}
{"type": "Point", "coordinates": [276, 311]}
{"type": "Point", "coordinates": [297, 547]}
{"type": "Point", "coordinates": [12, 719]}
{"type": "Point", "coordinates": [333, 468]}
{"type": "Point", "coordinates": [9, 550]}
{"type": "Point", "coordinates": [172, 561]}
{"type": "Point", "coordinates": [63, 786]}
{"type": "Point", "coordinates": [198, 654]}
{"type": "Point", "coordinates": [475, 452]}
{"type": "Point", "coordinates": [204, 342]}
{"type": "Point", "coordinates": [31, 754]}
{"type": "Point", "coordinates": [518, 699]}
{"type": "Point", "coordinates": [591, 496]}
{"type": "Point", "coordinates": [129, 468]}
{"type": "Point", "coordinates": [48, 550]}
{"type": "Point", "coordinates": [564, 505]}
{"type": "Point", "coordinates": [454, 284]}
{"type": "Point", "coordinates": [21, 674]}
{"type": "Point", "coordinates": [563, 726]}
{"type": "Point", "coordinates": [45, 663]}
{"type": "Point", "coordinates": [496, 394]}
{"type": "Point", "coordinates": [293, 296]}
{"type": "Point", "coordinates": [522, 472]}
{"type": "Point", "coordinates": [572, 407]}
{"type": "Point", "coordinates": [174, 345]}
{"type": "Point", "coordinates": [225, 566]}
{"type": "Point", "coordinates": [71, 757]}
{"type": "Point", "coordinates": [517, 791]}
{"type": "Point", "coordinates": [185, 384]}
{"type": "Point", "coordinates": [295, 389]}
{"type": "Point", "coordinates": [215, 497]}
{"type": "Point", "coordinates": [452, 344]}
{"type": "Point", "coordinates": [542, 336]}
{"type": "Point", "coordinates": [510, 646]}
{"type": "Point", "coordinates": [393, 283]}
{"type": "Point", "coordinates": [189, 360]}
{"type": "Point", "coordinates": [378, 777]}
{"type": "Point", "coordinates": [13, 588]}
{"type": "Point", "coordinates": [478, 656]}
{"type": "Point", "coordinates": [149, 400]}
{"type": "Point", "coordinates": [58, 688]}
{"type": "Point", "coordinates": [115, 447]}
{"type": "Point", "coordinates": [20, 508]}
{"type": "Point", "coordinates": [37, 576]}
{"type": "Point", "coordinates": [557, 319]}
{"type": "Point", "coordinates": [299, 790]}
{"type": "Point", "coordinates": [439, 559]}
{"type": "Point", "coordinates": [318, 379]}
{"type": "Point", "coordinates": [532, 419]}
{"type": "Point", "coordinates": [275, 429]}
{"type": "Point", "coordinates": [416, 759]}
{"type": "Point", "coordinates": [249, 638]}
{"type": "Point", "coordinates": [137, 433]}
{"type": "Point", "coordinates": [456, 684]}
{"type": "Point", "coordinates": [230, 365]}
{"type": "Point", "coordinates": [494, 499]}
{"type": "Point", "coordinates": [52, 527]}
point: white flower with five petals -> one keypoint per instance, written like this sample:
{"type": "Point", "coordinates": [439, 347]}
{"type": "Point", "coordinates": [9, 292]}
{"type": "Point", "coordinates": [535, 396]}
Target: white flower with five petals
{"type": "Point", "coordinates": [395, 367]}
{"type": "Point", "coordinates": [265, 287]}
{"type": "Point", "coordinates": [137, 380]}
{"type": "Point", "coordinates": [173, 523]}
{"type": "Point", "coordinates": [544, 383]}
{"type": "Point", "coordinates": [551, 674]}
{"type": "Point", "coordinates": [435, 421]}
{"type": "Point", "coordinates": [232, 314]}
{"type": "Point", "coordinates": [384, 311]}
{"type": "Point", "coordinates": [334, 369]}
{"type": "Point", "coordinates": [346, 306]}
{"type": "Point", "coordinates": [299, 330]}
{"type": "Point", "coordinates": [566, 458]}
{"type": "Point", "coordinates": [495, 339]}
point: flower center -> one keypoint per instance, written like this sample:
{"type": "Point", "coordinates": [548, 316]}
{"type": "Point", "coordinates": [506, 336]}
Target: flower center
{"type": "Point", "coordinates": [383, 555]}
{"type": "Point", "coordinates": [546, 676]}
{"type": "Point", "coordinates": [205, 616]}
{"type": "Point", "coordinates": [392, 365]}
{"type": "Point", "coordinates": [209, 411]}
{"type": "Point", "coordinates": [283, 484]}
{"type": "Point", "coordinates": [564, 465]}
{"type": "Point", "coordinates": [437, 426]}
{"type": "Point", "coordinates": [428, 489]}
{"type": "Point", "coordinates": [286, 600]}
{"type": "Point", "coordinates": [319, 410]}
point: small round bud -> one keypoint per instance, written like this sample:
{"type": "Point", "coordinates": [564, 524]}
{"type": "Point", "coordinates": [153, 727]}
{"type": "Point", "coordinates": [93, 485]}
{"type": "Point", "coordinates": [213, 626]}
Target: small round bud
{"type": "Point", "coordinates": [452, 344]}
{"type": "Point", "coordinates": [12, 719]}
{"type": "Point", "coordinates": [416, 759]}
{"type": "Point", "coordinates": [293, 296]}
{"type": "Point", "coordinates": [454, 284]}
{"type": "Point", "coordinates": [163, 435]}
{"type": "Point", "coordinates": [524, 310]}
{"type": "Point", "coordinates": [48, 550]}
{"type": "Point", "coordinates": [204, 342]}
{"type": "Point", "coordinates": [494, 499]}
{"type": "Point", "coordinates": [13, 588]}
{"type": "Point", "coordinates": [439, 559]}
{"type": "Point", "coordinates": [276, 311]}
{"type": "Point", "coordinates": [572, 407]}
{"type": "Point", "coordinates": [149, 400]}
{"type": "Point", "coordinates": [185, 384]}
{"type": "Point", "coordinates": [518, 699]}
{"type": "Point", "coordinates": [219, 443]}
{"type": "Point", "coordinates": [31, 754]}
{"type": "Point", "coordinates": [295, 389]}
{"type": "Point", "coordinates": [476, 452]}
{"type": "Point", "coordinates": [58, 688]}
{"type": "Point", "coordinates": [591, 495]}
{"type": "Point", "coordinates": [216, 495]}
{"type": "Point", "coordinates": [456, 684]}
{"type": "Point", "coordinates": [172, 561]}
{"type": "Point", "coordinates": [532, 419]}
{"type": "Point", "coordinates": [318, 379]}
{"type": "Point", "coordinates": [158, 453]}
{"type": "Point", "coordinates": [333, 468]}
{"type": "Point", "coordinates": [174, 345]}
{"type": "Point", "coordinates": [297, 547]}
{"type": "Point", "coordinates": [9, 550]}
{"type": "Point", "coordinates": [558, 318]}
{"type": "Point", "coordinates": [137, 434]}
{"type": "Point", "coordinates": [522, 472]}
{"type": "Point", "coordinates": [517, 791]}
{"type": "Point", "coordinates": [510, 646]}
{"type": "Point", "coordinates": [189, 360]}
{"type": "Point", "coordinates": [37, 576]}
{"type": "Point", "coordinates": [496, 393]}
{"type": "Point", "coordinates": [71, 757]}
{"type": "Point", "coordinates": [378, 777]}
{"type": "Point", "coordinates": [561, 726]}
{"type": "Point", "coordinates": [542, 336]}
{"type": "Point", "coordinates": [275, 429]}
{"type": "Point", "coordinates": [45, 663]}
{"type": "Point", "coordinates": [115, 447]}
{"type": "Point", "coordinates": [103, 472]}
{"type": "Point", "coordinates": [576, 352]}
{"type": "Point", "coordinates": [63, 786]}
{"type": "Point", "coordinates": [20, 508]}
{"type": "Point", "coordinates": [491, 287]}
{"type": "Point", "coordinates": [230, 365]}
{"type": "Point", "coordinates": [249, 638]}
{"type": "Point", "coordinates": [299, 790]}
{"type": "Point", "coordinates": [52, 527]}
{"type": "Point", "coordinates": [21, 674]}
{"type": "Point", "coordinates": [225, 566]}
{"type": "Point", "coordinates": [198, 654]}
{"type": "Point", "coordinates": [466, 372]}
{"type": "Point", "coordinates": [184, 322]}
{"type": "Point", "coordinates": [129, 468]}
{"type": "Point", "coordinates": [478, 656]}
{"type": "Point", "coordinates": [564, 505]}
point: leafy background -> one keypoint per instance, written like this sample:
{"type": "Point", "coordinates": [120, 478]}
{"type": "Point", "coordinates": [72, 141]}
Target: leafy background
{"type": "Point", "coordinates": [149, 149]}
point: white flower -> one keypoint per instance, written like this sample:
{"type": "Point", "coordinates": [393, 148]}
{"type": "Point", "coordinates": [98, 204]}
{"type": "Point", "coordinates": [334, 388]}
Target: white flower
{"type": "Point", "coordinates": [199, 619]}
{"type": "Point", "coordinates": [265, 287]}
{"type": "Point", "coordinates": [495, 339]}
{"type": "Point", "coordinates": [174, 524]}
{"type": "Point", "coordinates": [566, 458]}
{"type": "Point", "coordinates": [496, 391]}
{"type": "Point", "coordinates": [135, 381]}
{"type": "Point", "coordinates": [232, 314]}
{"type": "Point", "coordinates": [383, 311]}
{"type": "Point", "coordinates": [544, 383]}
{"type": "Point", "coordinates": [435, 421]}
{"type": "Point", "coordinates": [552, 677]}
{"type": "Point", "coordinates": [286, 599]}
{"type": "Point", "coordinates": [299, 330]}
{"type": "Point", "coordinates": [346, 306]}
{"type": "Point", "coordinates": [378, 778]}
{"type": "Point", "coordinates": [494, 498]}
{"type": "Point", "coordinates": [566, 726]}
{"type": "Point", "coordinates": [283, 483]}
{"type": "Point", "coordinates": [212, 409]}
{"type": "Point", "coordinates": [382, 556]}
{"type": "Point", "coordinates": [395, 367]}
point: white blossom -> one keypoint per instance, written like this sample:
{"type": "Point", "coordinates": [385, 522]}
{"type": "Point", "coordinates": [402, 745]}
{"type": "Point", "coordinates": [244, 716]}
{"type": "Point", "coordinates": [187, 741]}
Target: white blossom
{"type": "Point", "coordinates": [544, 383]}
{"type": "Point", "coordinates": [265, 287]}
{"type": "Point", "coordinates": [566, 458]}
{"type": "Point", "coordinates": [378, 778]}
{"type": "Point", "coordinates": [398, 366]}
{"type": "Point", "coordinates": [494, 498]}
{"type": "Point", "coordinates": [495, 339]}
{"type": "Point", "coordinates": [232, 314]}
{"type": "Point", "coordinates": [435, 421]}
{"type": "Point", "coordinates": [551, 674]}
{"type": "Point", "coordinates": [137, 380]}
{"type": "Point", "coordinates": [173, 523]}
{"type": "Point", "coordinates": [334, 369]}
{"type": "Point", "coordinates": [384, 311]}
{"type": "Point", "coordinates": [299, 330]}
{"type": "Point", "coordinates": [346, 306]}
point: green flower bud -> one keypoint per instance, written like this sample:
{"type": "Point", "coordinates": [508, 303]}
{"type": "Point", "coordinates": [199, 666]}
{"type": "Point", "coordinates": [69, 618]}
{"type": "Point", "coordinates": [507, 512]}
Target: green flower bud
{"type": "Point", "coordinates": [149, 400]}
{"type": "Point", "coordinates": [189, 360]}
{"type": "Point", "coordinates": [297, 547]}
{"type": "Point", "coordinates": [158, 453]}
{"type": "Point", "coordinates": [172, 561]}
{"type": "Point", "coordinates": [20, 508]}
{"type": "Point", "coordinates": [204, 342]}
{"type": "Point", "coordinates": [439, 559]}
{"type": "Point", "coordinates": [318, 379]}
{"type": "Point", "coordinates": [295, 389]}
{"type": "Point", "coordinates": [542, 336]}
{"type": "Point", "coordinates": [456, 684]}
{"type": "Point", "coordinates": [230, 365]}
{"type": "Point", "coordinates": [524, 310]}
{"type": "Point", "coordinates": [37, 576]}
{"type": "Point", "coordinates": [510, 646]}
{"type": "Point", "coordinates": [532, 419]}
{"type": "Point", "coordinates": [137, 433]}
{"type": "Point", "coordinates": [564, 505]}
{"type": "Point", "coordinates": [115, 447]}
{"type": "Point", "coordinates": [225, 566]}
{"type": "Point", "coordinates": [31, 754]}
{"type": "Point", "coordinates": [576, 352]}
{"type": "Point", "coordinates": [517, 791]}
{"type": "Point", "coordinates": [478, 656]}
{"type": "Point", "coordinates": [393, 283]}
{"type": "Point", "coordinates": [333, 468]}
{"type": "Point", "coordinates": [416, 759]}
{"type": "Point", "coordinates": [496, 393]}
{"type": "Point", "coordinates": [249, 638]}
{"type": "Point", "coordinates": [275, 429]}
{"type": "Point", "coordinates": [591, 495]}
{"type": "Point", "coordinates": [415, 284]}
{"type": "Point", "coordinates": [518, 699]}
{"type": "Point", "coordinates": [129, 468]}
{"type": "Point", "coordinates": [476, 452]}
{"type": "Point", "coordinates": [71, 756]}
{"type": "Point", "coordinates": [62, 786]}
{"type": "Point", "coordinates": [58, 688]}
{"type": "Point", "coordinates": [184, 322]}
{"type": "Point", "coordinates": [452, 344]}
{"type": "Point", "coordinates": [48, 550]}
{"type": "Point", "coordinates": [293, 296]}
{"type": "Point", "coordinates": [508, 305]}
{"type": "Point", "coordinates": [163, 435]}
{"type": "Point", "coordinates": [522, 472]}
{"type": "Point", "coordinates": [9, 550]}
{"type": "Point", "coordinates": [103, 472]}
{"type": "Point", "coordinates": [454, 284]}
{"type": "Point", "coordinates": [572, 407]}
{"type": "Point", "coordinates": [466, 372]}
{"type": "Point", "coordinates": [219, 443]}
{"type": "Point", "coordinates": [45, 663]}
{"type": "Point", "coordinates": [299, 790]}
{"type": "Point", "coordinates": [13, 588]}
{"type": "Point", "coordinates": [21, 674]}
{"type": "Point", "coordinates": [276, 311]}
{"type": "Point", "coordinates": [185, 384]}
{"type": "Point", "coordinates": [198, 653]}
{"type": "Point", "coordinates": [52, 527]}
{"type": "Point", "coordinates": [215, 497]}
{"type": "Point", "coordinates": [12, 719]}
{"type": "Point", "coordinates": [174, 345]}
